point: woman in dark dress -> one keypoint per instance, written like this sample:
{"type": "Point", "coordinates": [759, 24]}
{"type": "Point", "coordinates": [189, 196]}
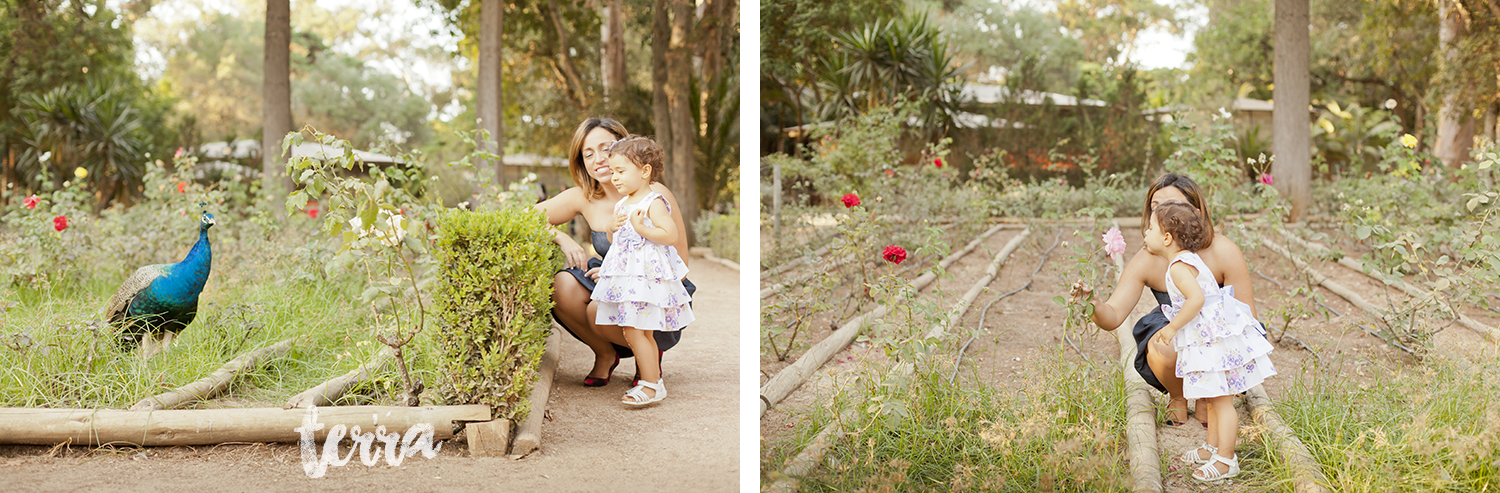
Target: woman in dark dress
{"type": "Point", "coordinates": [1157, 363]}
{"type": "Point", "coordinates": [595, 198]}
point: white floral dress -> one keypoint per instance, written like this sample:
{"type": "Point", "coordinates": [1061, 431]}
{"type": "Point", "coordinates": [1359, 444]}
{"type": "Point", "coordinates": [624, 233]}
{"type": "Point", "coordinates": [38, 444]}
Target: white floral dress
{"type": "Point", "coordinates": [1223, 350]}
{"type": "Point", "coordinates": [640, 282]}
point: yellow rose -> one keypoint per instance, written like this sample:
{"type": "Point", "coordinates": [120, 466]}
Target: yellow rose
{"type": "Point", "coordinates": [81, 173]}
{"type": "Point", "coordinates": [1409, 141]}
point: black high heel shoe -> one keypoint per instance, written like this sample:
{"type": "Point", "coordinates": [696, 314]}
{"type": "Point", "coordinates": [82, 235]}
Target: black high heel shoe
{"type": "Point", "coordinates": [636, 380]}
{"type": "Point", "coordinates": [600, 382]}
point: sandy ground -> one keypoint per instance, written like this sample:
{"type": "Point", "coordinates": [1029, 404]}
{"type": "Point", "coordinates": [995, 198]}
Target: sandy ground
{"type": "Point", "coordinates": [689, 442]}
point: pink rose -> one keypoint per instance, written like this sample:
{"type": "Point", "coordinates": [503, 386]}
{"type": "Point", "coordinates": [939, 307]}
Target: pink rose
{"type": "Point", "coordinates": [31, 202]}
{"type": "Point", "coordinates": [1114, 243]}
{"type": "Point", "coordinates": [1266, 178]}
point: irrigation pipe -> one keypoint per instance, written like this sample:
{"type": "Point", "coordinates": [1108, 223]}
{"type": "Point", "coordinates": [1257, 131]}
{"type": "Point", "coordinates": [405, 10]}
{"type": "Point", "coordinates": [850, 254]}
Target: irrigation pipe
{"type": "Point", "coordinates": [1484, 330]}
{"type": "Point", "coordinates": [791, 377]}
{"type": "Point", "coordinates": [986, 310]}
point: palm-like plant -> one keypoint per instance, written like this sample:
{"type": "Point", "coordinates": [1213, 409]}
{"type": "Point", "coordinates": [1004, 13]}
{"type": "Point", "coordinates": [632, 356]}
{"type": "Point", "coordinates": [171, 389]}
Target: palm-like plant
{"type": "Point", "coordinates": [883, 62]}
{"type": "Point", "coordinates": [95, 126]}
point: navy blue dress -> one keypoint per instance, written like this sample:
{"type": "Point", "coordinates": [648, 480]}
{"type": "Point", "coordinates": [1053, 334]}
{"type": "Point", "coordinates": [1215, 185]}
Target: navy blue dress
{"type": "Point", "coordinates": [664, 339]}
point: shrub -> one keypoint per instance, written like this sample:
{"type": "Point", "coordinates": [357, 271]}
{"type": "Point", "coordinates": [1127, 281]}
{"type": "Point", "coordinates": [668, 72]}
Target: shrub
{"type": "Point", "coordinates": [492, 298]}
{"type": "Point", "coordinates": [721, 232]}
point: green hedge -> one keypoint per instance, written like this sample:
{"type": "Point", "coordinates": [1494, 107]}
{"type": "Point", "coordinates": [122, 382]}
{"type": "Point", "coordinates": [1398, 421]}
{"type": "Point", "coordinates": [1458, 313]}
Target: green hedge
{"type": "Point", "coordinates": [721, 232]}
{"type": "Point", "coordinates": [492, 300]}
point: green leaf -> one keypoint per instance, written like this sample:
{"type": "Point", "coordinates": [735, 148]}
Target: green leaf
{"type": "Point", "coordinates": [1062, 302]}
{"type": "Point", "coordinates": [1363, 232]}
{"type": "Point", "coordinates": [295, 201]}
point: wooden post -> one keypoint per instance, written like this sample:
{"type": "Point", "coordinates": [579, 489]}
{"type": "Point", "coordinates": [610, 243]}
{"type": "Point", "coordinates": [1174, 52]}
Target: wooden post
{"type": "Point", "coordinates": [218, 381]}
{"type": "Point", "coordinates": [488, 438]}
{"type": "Point", "coordinates": [529, 433]}
{"type": "Point", "coordinates": [1140, 409]}
{"type": "Point", "coordinates": [93, 427]}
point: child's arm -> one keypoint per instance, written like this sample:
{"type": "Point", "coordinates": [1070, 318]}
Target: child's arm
{"type": "Point", "coordinates": [1186, 279]}
{"type": "Point", "coordinates": [665, 230]}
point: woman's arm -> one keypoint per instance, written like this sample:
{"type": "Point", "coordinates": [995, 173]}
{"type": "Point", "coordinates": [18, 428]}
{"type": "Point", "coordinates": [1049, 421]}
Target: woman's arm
{"type": "Point", "coordinates": [1112, 313]}
{"type": "Point", "coordinates": [560, 209]}
{"type": "Point", "coordinates": [682, 239]}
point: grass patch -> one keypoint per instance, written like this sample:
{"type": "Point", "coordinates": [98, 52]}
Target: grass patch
{"type": "Point", "coordinates": [1434, 427]}
{"type": "Point", "coordinates": [1063, 431]}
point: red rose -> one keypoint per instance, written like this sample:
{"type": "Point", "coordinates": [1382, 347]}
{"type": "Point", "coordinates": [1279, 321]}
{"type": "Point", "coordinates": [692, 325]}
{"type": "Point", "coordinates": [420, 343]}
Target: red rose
{"type": "Point", "coordinates": [312, 213]}
{"type": "Point", "coordinates": [181, 187]}
{"type": "Point", "coordinates": [894, 254]}
{"type": "Point", "coordinates": [937, 162]}
{"type": "Point", "coordinates": [31, 202]}
{"type": "Point", "coordinates": [850, 200]}
{"type": "Point", "coordinates": [60, 223]}
{"type": "Point", "coordinates": [890, 173]}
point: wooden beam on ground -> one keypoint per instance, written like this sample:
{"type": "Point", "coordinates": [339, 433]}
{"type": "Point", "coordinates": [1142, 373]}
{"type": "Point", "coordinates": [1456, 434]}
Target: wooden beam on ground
{"type": "Point", "coordinates": [791, 377]}
{"type": "Point", "coordinates": [1307, 476]}
{"type": "Point", "coordinates": [1484, 330]}
{"type": "Point", "coordinates": [94, 427]}
{"type": "Point", "coordinates": [1322, 280]}
{"type": "Point", "coordinates": [215, 383]}
{"type": "Point", "coordinates": [329, 392]}
{"type": "Point", "coordinates": [529, 433]}
{"type": "Point", "coordinates": [1140, 409]}
{"type": "Point", "coordinates": [958, 310]}
{"type": "Point", "coordinates": [808, 459]}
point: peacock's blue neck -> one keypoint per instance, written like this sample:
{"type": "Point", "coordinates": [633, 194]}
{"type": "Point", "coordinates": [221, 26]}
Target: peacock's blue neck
{"type": "Point", "coordinates": [189, 275]}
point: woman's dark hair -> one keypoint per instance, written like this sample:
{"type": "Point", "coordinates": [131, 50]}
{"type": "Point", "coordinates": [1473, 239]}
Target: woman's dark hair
{"type": "Point", "coordinates": [580, 173]}
{"type": "Point", "coordinates": [1189, 189]}
{"type": "Point", "coordinates": [642, 152]}
{"type": "Point", "coordinates": [1188, 227]}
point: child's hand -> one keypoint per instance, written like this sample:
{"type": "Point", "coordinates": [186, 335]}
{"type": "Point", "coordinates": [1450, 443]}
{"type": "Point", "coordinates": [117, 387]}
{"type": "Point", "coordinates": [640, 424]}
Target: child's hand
{"type": "Point", "coordinates": [637, 218]}
{"type": "Point", "coordinates": [1164, 336]}
{"type": "Point", "coordinates": [616, 222]}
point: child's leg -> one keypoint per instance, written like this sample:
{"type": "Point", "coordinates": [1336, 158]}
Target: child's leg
{"type": "Point", "coordinates": [647, 361]}
{"type": "Point", "coordinates": [1206, 413]}
{"type": "Point", "coordinates": [1223, 427]}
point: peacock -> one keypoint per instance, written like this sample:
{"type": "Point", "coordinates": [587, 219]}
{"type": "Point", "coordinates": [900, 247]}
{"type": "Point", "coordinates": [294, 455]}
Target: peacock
{"type": "Point", "coordinates": [158, 301]}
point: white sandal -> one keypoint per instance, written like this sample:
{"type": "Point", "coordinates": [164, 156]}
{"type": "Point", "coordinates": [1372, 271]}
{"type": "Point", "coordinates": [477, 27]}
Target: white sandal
{"type": "Point", "coordinates": [637, 397]}
{"type": "Point", "coordinates": [1211, 474]}
{"type": "Point", "coordinates": [1193, 457]}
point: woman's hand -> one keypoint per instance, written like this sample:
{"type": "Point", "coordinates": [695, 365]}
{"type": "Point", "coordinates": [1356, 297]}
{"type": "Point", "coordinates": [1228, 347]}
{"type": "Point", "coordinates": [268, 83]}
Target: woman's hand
{"type": "Point", "coordinates": [574, 255]}
{"type": "Point", "coordinates": [1081, 292]}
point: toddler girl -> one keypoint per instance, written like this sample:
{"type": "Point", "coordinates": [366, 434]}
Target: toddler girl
{"type": "Point", "coordinates": [1221, 350]}
{"type": "Point", "coordinates": [640, 283]}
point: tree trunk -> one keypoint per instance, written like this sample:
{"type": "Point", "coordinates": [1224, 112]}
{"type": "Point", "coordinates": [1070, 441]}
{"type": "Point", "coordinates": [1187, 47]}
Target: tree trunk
{"type": "Point", "coordinates": [681, 171]}
{"type": "Point", "coordinates": [1490, 115]}
{"type": "Point", "coordinates": [612, 60]}
{"type": "Point", "coordinates": [1455, 130]}
{"type": "Point", "coordinates": [491, 104]}
{"type": "Point", "coordinates": [1291, 142]}
{"type": "Point", "coordinates": [572, 83]}
{"type": "Point", "coordinates": [277, 80]}
{"type": "Point", "coordinates": [661, 116]}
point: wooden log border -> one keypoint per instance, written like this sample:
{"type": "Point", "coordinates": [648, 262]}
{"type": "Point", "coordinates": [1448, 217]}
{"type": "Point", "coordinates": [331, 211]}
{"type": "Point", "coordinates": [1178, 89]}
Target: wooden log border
{"type": "Point", "coordinates": [94, 427]}
{"type": "Point", "coordinates": [217, 382]}
{"type": "Point", "coordinates": [790, 378]}
{"type": "Point", "coordinates": [329, 392]}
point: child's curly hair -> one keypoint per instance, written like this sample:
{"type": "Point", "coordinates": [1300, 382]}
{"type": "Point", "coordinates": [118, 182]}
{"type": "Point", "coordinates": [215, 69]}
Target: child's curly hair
{"type": "Point", "coordinates": [1188, 227]}
{"type": "Point", "coordinates": [642, 152]}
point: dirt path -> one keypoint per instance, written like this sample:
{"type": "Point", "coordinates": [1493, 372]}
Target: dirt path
{"type": "Point", "coordinates": [590, 443]}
